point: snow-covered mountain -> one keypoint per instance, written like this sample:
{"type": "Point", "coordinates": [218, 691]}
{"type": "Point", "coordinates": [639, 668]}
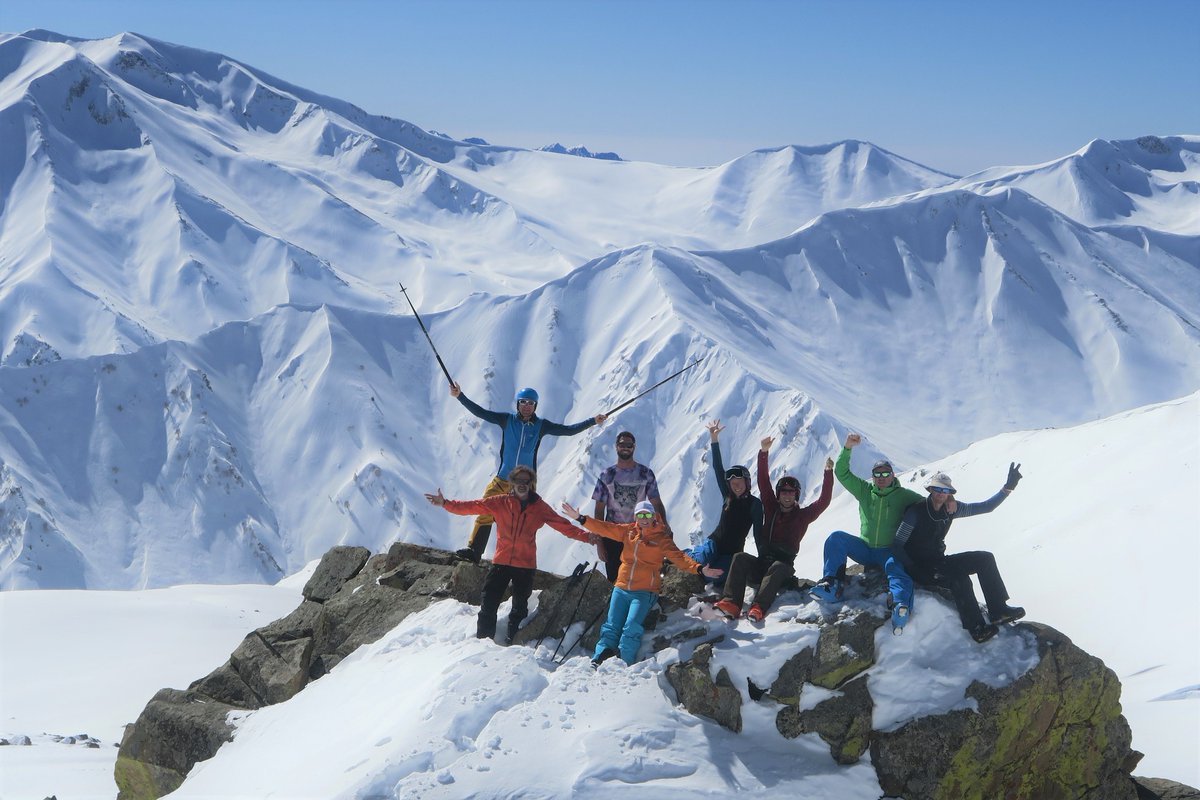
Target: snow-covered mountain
{"type": "Point", "coordinates": [209, 374]}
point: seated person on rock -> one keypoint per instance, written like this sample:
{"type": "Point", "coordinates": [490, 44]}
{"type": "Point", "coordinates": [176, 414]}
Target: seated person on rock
{"type": "Point", "coordinates": [920, 546]}
{"type": "Point", "coordinates": [881, 503]}
{"type": "Point", "coordinates": [784, 525]}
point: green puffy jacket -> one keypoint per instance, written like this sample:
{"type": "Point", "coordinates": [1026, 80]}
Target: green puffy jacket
{"type": "Point", "coordinates": [879, 510]}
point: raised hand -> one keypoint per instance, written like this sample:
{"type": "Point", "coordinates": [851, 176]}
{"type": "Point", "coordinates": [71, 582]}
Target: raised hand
{"type": "Point", "coordinates": [569, 510]}
{"type": "Point", "coordinates": [853, 440]}
{"type": "Point", "coordinates": [455, 389]}
{"type": "Point", "coordinates": [828, 464]}
{"type": "Point", "coordinates": [714, 429]}
{"type": "Point", "coordinates": [1014, 476]}
{"type": "Point", "coordinates": [600, 418]}
{"type": "Point", "coordinates": [436, 499]}
{"type": "Point", "coordinates": [766, 443]}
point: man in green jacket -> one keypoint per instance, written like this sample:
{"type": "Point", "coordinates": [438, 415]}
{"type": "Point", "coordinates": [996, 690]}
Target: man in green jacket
{"type": "Point", "coordinates": [881, 504]}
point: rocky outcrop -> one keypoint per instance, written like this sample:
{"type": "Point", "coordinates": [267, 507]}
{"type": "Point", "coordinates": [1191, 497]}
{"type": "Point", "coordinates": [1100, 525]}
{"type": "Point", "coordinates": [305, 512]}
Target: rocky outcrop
{"type": "Point", "coordinates": [1054, 732]}
{"type": "Point", "coordinates": [1160, 789]}
{"type": "Point", "coordinates": [351, 599]}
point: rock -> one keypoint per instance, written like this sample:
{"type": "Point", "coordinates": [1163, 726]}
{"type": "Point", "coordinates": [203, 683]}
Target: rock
{"type": "Point", "coordinates": [678, 587]}
{"type": "Point", "coordinates": [22, 741]}
{"type": "Point", "coordinates": [565, 603]}
{"type": "Point", "coordinates": [844, 650]}
{"type": "Point", "coordinates": [1057, 731]}
{"type": "Point", "coordinates": [719, 699]}
{"type": "Point", "coordinates": [173, 732]}
{"type": "Point", "coordinates": [352, 599]}
{"type": "Point", "coordinates": [337, 566]}
{"type": "Point", "coordinates": [1161, 789]}
{"type": "Point", "coordinates": [843, 722]}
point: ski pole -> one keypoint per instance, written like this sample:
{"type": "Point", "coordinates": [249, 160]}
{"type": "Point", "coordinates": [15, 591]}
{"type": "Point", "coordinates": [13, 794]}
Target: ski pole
{"type": "Point", "coordinates": [572, 579]}
{"type": "Point", "coordinates": [575, 611]}
{"type": "Point", "coordinates": [427, 337]}
{"type": "Point", "coordinates": [582, 634]}
{"type": "Point", "coordinates": [655, 386]}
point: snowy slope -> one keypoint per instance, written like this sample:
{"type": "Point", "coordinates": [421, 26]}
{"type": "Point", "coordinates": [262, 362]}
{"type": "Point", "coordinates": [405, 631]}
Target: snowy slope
{"type": "Point", "coordinates": [162, 191]}
{"type": "Point", "coordinates": [248, 453]}
{"type": "Point", "coordinates": [1149, 182]}
{"type": "Point", "coordinates": [430, 711]}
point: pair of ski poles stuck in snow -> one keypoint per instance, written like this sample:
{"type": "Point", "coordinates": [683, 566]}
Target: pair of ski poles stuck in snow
{"type": "Point", "coordinates": [450, 380]}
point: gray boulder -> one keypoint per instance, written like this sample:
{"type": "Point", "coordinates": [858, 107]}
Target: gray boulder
{"type": "Point", "coordinates": [701, 694]}
{"type": "Point", "coordinates": [843, 721]}
{"type": "Point", "coordinates": [1161, 789]}
{"type": "Point", "coordinates": [337, 566]}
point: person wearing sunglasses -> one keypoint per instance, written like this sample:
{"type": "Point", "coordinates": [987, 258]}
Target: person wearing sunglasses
{"type": "Point", "coordinates": [740, 512]}
{"type": "Point", "coordinates": [618, 490]}
{"type": "Point", "coordinates": [521, 435]}
{"type": "Point", "coordinates": [646, 543]}
{"type": "Point", "coordinates": [519, 514]}
{"type": "Point", "coordinates": [784, 525]}
{"type": "Point", "coordinates": [920, 545]}
{"type": "Point", "coordinates": [881, 504]}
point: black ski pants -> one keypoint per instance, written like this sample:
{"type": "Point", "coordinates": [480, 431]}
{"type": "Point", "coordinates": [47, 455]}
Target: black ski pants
{"type": "Point", "coordinates": [498, 578]}
{"type": "Point", "coordinates": [954, 573]}
{"type": "Point", "coordinates": [768, 576]}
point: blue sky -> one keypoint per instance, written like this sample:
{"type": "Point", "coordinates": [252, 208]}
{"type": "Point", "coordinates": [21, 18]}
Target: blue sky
{"type": "Point", "coordinates": [958, 86]}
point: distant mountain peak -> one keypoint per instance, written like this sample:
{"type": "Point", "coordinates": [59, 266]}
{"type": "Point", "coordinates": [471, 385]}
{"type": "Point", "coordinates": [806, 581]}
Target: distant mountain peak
{"type": "Point", "coordinates": [579, 150]}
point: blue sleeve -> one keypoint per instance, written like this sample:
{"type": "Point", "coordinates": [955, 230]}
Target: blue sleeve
{"type": "Point", "coordinates": [719, 469]}
{"type": "Point", "coordinates": [495, 417]}
{"type": "Point", "coordinates": [559, 429]}
{"type": "Point", "coordinates": [971, 509]}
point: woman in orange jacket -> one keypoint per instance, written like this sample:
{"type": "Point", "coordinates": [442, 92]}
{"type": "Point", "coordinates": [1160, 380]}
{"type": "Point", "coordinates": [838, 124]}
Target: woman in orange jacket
{"type": "Point", "coordinates": [647, 543]}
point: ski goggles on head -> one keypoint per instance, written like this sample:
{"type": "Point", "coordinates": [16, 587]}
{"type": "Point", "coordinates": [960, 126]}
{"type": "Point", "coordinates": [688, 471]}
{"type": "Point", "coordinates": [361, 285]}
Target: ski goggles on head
{"type": "Point", "coordinates": [644, 515]}
{"type": "Point", "coordinates": [737, 472]}
{"type": "Point", "coordinates": [881, 473]}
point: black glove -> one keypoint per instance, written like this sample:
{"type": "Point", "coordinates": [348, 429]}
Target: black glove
{"type": "Point", "coordinates": [1014, 475]}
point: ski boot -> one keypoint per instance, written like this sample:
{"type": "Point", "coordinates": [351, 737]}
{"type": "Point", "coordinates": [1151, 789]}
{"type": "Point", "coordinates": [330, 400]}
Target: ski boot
{"type": "Point", "coordinates": [756, 613]}
{"type": "Point", "coordinates": [1006, 613]}
{"type": "Point", "coordinates": [602, 656]}
{"type": "Point", "coordinates": [827, 590]}
{"type": "Point", "coordinates": [982, 632]}
{"type": "Point", "coordinates": [899, 619]}
{"type": "Point", "coordinates": [730, 609]}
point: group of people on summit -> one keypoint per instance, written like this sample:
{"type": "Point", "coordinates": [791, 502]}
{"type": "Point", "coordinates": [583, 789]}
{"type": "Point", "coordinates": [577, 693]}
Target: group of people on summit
{"type": "Point", "coordinates": [901, 532]}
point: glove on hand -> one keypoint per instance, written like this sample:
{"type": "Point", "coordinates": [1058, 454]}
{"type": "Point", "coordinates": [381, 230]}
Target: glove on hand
{"type": "Point", "coordinates": [1014, 475]}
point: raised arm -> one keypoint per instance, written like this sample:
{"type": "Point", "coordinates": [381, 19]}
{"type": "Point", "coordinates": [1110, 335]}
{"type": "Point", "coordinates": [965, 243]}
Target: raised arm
{"type": "Point", "coordinates": [765, 490]}
{"type": "Point", "coordinates": [494, 417]}
{"type": "Point", "coordinates": [854, 484]}
{"type": "Point", "coordinates": [819, 505]}
{"type": "Point", "coordinates": [559, 429]}
{"type": "Point", "coordinates": [714, 433]}
{"type": "Point", "coordinates": [609, 530]}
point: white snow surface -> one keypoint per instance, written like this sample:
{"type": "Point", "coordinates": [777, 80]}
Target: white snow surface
{"type": "Point", "coordinates": [429, 711]}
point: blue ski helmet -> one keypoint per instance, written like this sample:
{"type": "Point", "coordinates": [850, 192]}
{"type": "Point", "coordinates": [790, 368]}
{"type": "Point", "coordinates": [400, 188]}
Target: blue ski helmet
{"type": "Point", "coordinates": [527, 394]}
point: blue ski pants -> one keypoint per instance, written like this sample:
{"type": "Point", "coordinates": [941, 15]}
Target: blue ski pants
{"type": "Point", "coordinates": [623, 629]}
{"type": "Point", "coordinates": [841, 545]}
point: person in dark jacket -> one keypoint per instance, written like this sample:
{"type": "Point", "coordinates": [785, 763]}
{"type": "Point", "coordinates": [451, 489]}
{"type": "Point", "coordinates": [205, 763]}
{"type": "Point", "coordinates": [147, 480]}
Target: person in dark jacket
{"type": "Point", "coordinates": [521, 435]}
{"type": "Point", "coordinates": [784, 525]}
{"type": "Point", "coordinates": [920, 547]}
{"type": "Point", "coordinates": [740, 512]}
{"type": "Point", "coordinates": [519, 515]}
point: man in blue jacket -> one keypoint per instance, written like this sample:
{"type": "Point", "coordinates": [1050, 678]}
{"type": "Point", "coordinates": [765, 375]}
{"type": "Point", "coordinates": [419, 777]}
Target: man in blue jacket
{"type": "Point", "coordinates": [521, 435]}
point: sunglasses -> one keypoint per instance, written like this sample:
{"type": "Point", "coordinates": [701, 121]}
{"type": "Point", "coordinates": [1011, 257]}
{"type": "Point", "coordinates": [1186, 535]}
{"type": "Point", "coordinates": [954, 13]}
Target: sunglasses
{"type": "Point", "coordinates": [644, 515]}
{"type": "Point", "coordinates": [626, 444]}
{"type": "Point", "coordinates": [525, 484]}
{"type": "Point", "coordinates": [526, 403]}
{"type": "Point", "coordinates": [939, 490]}
{"type": "Point", "coordinates": [882, 474]}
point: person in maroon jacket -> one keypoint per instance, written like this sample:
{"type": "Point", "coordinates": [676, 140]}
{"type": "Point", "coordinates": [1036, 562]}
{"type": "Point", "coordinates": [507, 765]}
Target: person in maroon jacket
{"type": "Point", "coordinates": [519, 515]}
{"type": "Point", "coordinates": [784, 525]}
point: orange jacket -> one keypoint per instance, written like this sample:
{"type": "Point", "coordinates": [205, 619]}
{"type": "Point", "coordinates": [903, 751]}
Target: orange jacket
{"type": "Point", "coordinates": [516, 545]}
{"type": "Point", "coordinates": [642, 557]}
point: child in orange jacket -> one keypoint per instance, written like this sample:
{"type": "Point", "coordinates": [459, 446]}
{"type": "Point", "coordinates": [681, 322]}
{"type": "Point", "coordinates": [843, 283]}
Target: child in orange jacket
{"type": "Point", "coordinates": [647, 543]}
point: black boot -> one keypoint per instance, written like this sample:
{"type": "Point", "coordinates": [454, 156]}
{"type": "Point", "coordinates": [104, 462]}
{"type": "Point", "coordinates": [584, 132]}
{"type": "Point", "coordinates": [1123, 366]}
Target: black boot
{"type": "Point", "coordinates": [512, 631]}
{"type": "Point", "coordinates": [1005, 613]}
{"type": "Point", "coordinates": [467, 554]}
{"type": "Point", "coordinates": [602, 656]}
{"type": "Point", "coordinates": [981, 633]}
